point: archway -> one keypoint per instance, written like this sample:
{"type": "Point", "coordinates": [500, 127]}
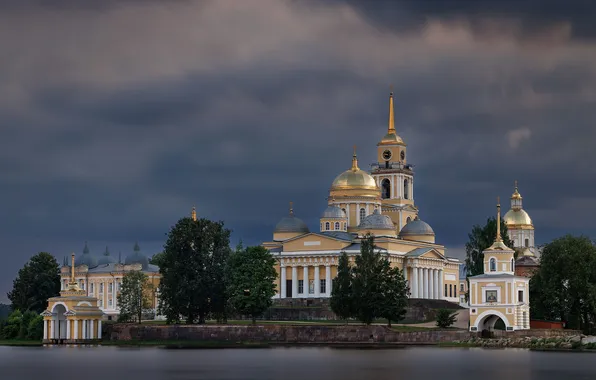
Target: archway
{"type": "Point", "coordinates": [59, 321]}
{"type": "Point", "coordinates": [491, 320]}
{"type": "Point", "coordinates": [385, 189]}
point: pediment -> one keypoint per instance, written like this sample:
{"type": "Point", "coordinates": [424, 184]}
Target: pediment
{"type": "Point", "coordinates": [314, 242]}
{"type": "Point", "coordinates": [46, 313]}
{"type": "Point", "coordinates": [433, 254]}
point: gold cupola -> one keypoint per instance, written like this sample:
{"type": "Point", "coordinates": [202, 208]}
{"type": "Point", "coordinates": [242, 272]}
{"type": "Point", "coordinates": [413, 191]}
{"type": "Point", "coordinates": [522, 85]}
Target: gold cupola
{"type": "Point", "coordinates": [355, 181]}
{"type": "Point", "coordinates": [517, 217]}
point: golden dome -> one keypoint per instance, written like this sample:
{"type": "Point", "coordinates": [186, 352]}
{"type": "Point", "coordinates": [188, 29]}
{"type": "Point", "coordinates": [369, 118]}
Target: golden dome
{"type": "Point", "coordinates": [516, 194]}
{"type": "Point", "coordinates": [517, 217]}
{"type": "Point", "coordinates": [354, 178]}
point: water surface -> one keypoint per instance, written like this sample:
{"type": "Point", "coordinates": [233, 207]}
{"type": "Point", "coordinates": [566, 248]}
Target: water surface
{"type": "Point", "coordinates": [417, 363]}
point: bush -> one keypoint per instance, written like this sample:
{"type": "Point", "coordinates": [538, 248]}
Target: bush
{"type": "Point", "coordinates": [445, 318]}
{"type": "Point", "coordinates": [35, 328]}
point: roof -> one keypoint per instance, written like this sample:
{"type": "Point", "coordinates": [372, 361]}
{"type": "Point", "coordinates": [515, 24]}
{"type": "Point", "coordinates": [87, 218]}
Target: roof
{"type": "Point", "coordinates": [115, 267]}
{"type": "Point", "coordinates": [333, 212]}
{"type": "Point", "coordinates": [340, 235]}
{"type": "Point", "coordinates": [418, 252]}
{"type": "Point", "coordinates": [416, 227]}
{"type": "Point", "coordinates": [290, 223]}
{"type": "Point", "coordinates": [376, 221]}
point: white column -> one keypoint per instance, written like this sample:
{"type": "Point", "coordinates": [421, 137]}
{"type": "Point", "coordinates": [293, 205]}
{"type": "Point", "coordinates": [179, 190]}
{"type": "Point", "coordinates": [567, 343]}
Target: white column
{"type": "Point", "coordinates": [84, 335]}
{"type": "Point", "coordinates": [431, 284]}
{"type": "Point", "coordinates": [76, 328]}
{"type": "Point", "coordinates": [45, 329]}
{"type": "Point", "coordinates": [114, 296]}
{"type": "Point", "coordinates": [414, 283]}
{"type": "Point", "coordinates": [425, 283]}
{"type": "Point", "coordinates": [283, 281]}
{"type": "Point", "coordinates": [99, 329]}
{"type": "Point", "coordinates": [348, 215]}
{"type": "Point", "coordinates": [405, 271]}
{"type": "Point", "coordinates": [52, 326]}
{"type": "Point", "coordinates": [392, 179]}
{"type": "Point", "coordinates": [305, 288]}
{"type": "Point", "coordinates": [357, 214]}
{"type": "Point", "coordinates": [441, 286]}
{"type": "Point", "coordinates": [420, 282]}
{"type": "Point", "coordinates": [328, 280]}
{"type": "Point", "coordinates": [294, 282]}
{"type": "Point", "coordinates": [317, 282]}
{"type": "Point", "coordinates": [68, 329]}
{"type": "Point", "coordinates": [92, 332]}
{"type": "Point", "coordinates": [437, 291]}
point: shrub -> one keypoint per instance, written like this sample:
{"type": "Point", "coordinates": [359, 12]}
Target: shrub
{"type": "Point", "coordinates": [445, 318]}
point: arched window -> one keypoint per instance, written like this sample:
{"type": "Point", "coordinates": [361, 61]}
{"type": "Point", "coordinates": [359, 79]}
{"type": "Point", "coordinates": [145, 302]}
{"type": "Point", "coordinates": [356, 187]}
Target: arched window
{"type": "Point", "coordinates": [527, 243]}
{"type": "Point", "coordinates": [344, 226]}
{"type": "Point", "coordinates": [493, 265]}
{"type": "Point", "coordinates": [362, 214]}
{"type": "Point", "coordinates": [406, 189]}
{"type": "Point", "coordinates": [327, 226]}
{"type": "Point", "coordinates": [385, 189]}
{"type": "Point", "coordinates": [408, 220]}
{"type": "Point", "coordinates": [336, 226]}
{"type": "Point", "coordinates": [512, 265]}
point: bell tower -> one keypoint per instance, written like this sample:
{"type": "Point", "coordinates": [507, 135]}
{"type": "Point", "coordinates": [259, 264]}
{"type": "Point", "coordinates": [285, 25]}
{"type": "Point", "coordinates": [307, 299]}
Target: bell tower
{"type": "Point", "coordinates": [394, 176]}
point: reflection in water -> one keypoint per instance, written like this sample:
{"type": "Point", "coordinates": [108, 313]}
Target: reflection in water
{"type": "Point", "coordinates": [420, 363]}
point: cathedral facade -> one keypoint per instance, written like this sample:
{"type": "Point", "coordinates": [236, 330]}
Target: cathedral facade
{"type": "Point", "coordinates": [380, 203]}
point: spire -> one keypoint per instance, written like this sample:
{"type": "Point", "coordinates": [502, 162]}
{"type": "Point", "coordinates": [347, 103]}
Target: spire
{"type": "Point", "coordinates": [136, 247]}
{"type": "Point", "coordinates": [72, 285]}
{"type": "Point", "coordinates": [193, 213]}
{"type": "Point", "coordinates": [391, 128]}
{"type": "Point", "coordinates": [107, 252]}
{"type": "Point", "coordinates": [499, 238]}
{"type": "Point", "coordinates": [291, 208]}
{"type": "Point", "coordinates": [86, 249]}
{"type": "Point", "coordinates": [355, 161]}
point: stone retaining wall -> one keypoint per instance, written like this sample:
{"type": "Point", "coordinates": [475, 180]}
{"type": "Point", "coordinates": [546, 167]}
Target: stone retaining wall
{"type": "Point", "coordinates": [286, 334]}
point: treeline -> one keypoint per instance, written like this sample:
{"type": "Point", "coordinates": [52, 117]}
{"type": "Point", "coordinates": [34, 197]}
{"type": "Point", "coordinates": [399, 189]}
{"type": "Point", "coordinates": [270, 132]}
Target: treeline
{"type": "Point", "coordinates": [17, 325]}
{"type": "Point", "coordinates": [371, 289]}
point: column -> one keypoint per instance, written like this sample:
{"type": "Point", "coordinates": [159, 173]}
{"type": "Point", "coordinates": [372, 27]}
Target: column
{"type": "Point", "coordinates": [348, 215]}
{"type": "Point", "coordinates": [114, 296]}
{"type": "Point", "coordinates": [52, 325]}
{"type": "Point", "coordinates": [405, 271]}
{"type": "Point", "coordinates": [425, 283]}
{"type": "Point", "coordinates": [357, 214]}
{"type": "Point", "coordinates": [441, 286]}
{"type": "Point", "coordinates": [45, 329]}
{"type": "Point", "coordinates": [420, 283]}
{"type": "Point", "coordinates": [392, 179]}
{"type": "Point", "coordinates": [437, 291]}
{"type": "Point", "coordinates": [91, 329]}
{"type": "Point", "coordinates": [283, 281]}
{"type": "Point", "coordinates": [431, 284]}
{"type": "Point", "coordinates": [414, 283]}
{"type": "Point", "coordinates": [68, 329]}
{"type": "Point", "coordinates": [328, 280]}
{"type": "Point", "coordinates": [76, 328]}
{"type": "Point", "coordinates": [305, 281]}
{"type": "Point", "coordinates": [99, 329]}
{"type": "Point", "coordinates": [294, 282]}
{"type": "Point", "coordinates": [317, 282]}
{"type": "Point", "coordinates": [84, 335]}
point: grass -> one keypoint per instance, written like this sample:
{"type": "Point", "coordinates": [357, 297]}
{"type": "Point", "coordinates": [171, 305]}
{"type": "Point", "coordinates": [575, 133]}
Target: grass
{"type": "Point", "coordinates": [19, 342]}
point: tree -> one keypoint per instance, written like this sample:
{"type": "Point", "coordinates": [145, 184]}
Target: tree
{"type": "Point", "coordinates": [564, 287]}
{"type": "Point", "coordinates": [252, 275]}
{"type": "Point", "coordinates": [4, 310]}
{"type": "Point", "coordinates": [446, 318]}
{"type": "Point", "coordinates": [38, 280]}
{"type": "Point", "coordinates": [193, 282]}
{"type": "Point", "coordinates": [156, 259]}
{"type": "Point", "coordinates": [341, 292]}
{"type": "Point", "coordinates": [134, 296]}
{"type": "Point", "coordinates": [480, 239]}
{"type": "Point", "coordinates": [395, 292]}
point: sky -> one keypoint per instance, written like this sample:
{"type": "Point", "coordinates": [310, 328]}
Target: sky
{"type": "Point", "coordinates": [117, 118]}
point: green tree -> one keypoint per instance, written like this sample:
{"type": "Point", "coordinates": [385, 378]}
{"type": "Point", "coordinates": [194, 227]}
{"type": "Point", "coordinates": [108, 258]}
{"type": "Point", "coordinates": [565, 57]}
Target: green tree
{"type": "Point", "coordinates": [252, 275]}
{"type": "Point", "coordinates": [12, 327]}
{"type": "Point", "coordinates": [480, 239]}
{"type": "Point", "coordinates": [38, 280]}
{"type": "Point", "coordinates": [341, 292]}
{"type": "Point", "coordinates": [564, 287]}
{"type": "Point", "coordinates": [193, 282]}
{"type": "Point", "coordinates": [446, 318]}
{"type": "Point", "coordinates": [395, 293]}
{"type": "Point", "coordinates": [156, 259]}
{"type": "Point", "coordinates": [35, 328]}
{"type": "Point", "coordinates": [134, 296]}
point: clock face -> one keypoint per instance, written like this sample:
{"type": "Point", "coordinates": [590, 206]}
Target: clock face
{"type": "Point", "coordinates": [387, 155]}
{"type": "Point", "coordinates": [403, 155]}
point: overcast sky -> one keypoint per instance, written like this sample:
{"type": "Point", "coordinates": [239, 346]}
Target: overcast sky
{"type": "Point", "coordinates": [116, 119]}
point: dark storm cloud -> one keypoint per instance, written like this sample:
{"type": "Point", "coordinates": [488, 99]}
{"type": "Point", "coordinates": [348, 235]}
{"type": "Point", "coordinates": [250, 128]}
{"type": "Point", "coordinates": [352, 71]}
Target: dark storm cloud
{"type": "Point", "coordinates": [110, 133]}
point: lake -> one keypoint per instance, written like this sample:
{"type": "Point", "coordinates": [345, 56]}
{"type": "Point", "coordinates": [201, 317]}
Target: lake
{"type": "Point", "coordinates": [310, 363]}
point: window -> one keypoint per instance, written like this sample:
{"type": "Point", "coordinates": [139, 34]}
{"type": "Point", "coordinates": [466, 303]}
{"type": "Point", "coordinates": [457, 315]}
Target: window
{"type": "Point", "coordinates": [527, 243]}
{"type": "Point", "coordinates": [493, 265]}
{"type": "Point", "coordinates": [110, 302]}
{"type": "Point", "coordinates": [461, 287]}
{"type": "Point", "coordinates": [406, 189]}
{"type": "Point", "coordinates": [385, 189]}
{"type": "Point", "coordinates": [344, 226]}
{"type": "Point", "coordinates": [512, 265]}
{"type": "Point", "coordinates": [362, 214]}
{"type": "Point", "coordinates": [323, 286]}
{"type": "Point", "coordinates": [327, 226]}
{"type": "Point", "coordinates": [110, 287]}
{"type": "Point", "coordinates": [101, 287]}
{"type": "Point", "coordinates": [445, 290]}
{"type": "Point", "coordinates": [408, 220]}
{"type": "Point", "coordinates": [450, 291]}
{"type": "Point", "coordinates": [337, 226]}
{"type": "Point", "coordinates": [311, 286]}
{"type": "Point", "coordinates": [100, 303]}
{"type": "Point", "coordinates": [491, 296]}
{"type": "Point", "coordinates": [301, 286]}
{"type": "Point", "coordinates": [520, 296]}
{"type": "Point", "coordinates": [91, 288]}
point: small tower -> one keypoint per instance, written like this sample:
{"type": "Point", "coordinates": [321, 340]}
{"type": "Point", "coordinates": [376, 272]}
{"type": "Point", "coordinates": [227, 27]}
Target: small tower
{"type": "Point", "coordinates": [519, 225]}
{"type": "Point", "coordinates": [334, 218]}
{"type": "Point", "coordinates": [498, 258]}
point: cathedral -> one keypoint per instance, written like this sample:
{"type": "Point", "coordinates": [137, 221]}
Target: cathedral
{"type": "Point", "coordinates": [380, 203]}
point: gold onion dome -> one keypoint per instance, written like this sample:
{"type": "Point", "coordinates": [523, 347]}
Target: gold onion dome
{"type": "Point", "coordinates": [354, 178]}
{"type": "Point", "coordinates": [517, 217]}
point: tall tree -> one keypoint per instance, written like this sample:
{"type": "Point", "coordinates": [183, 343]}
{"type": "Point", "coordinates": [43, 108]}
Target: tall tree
{"type": "Point", "coordinates": [193, 270]}
{"type": "Point", "coordinates": [37, 281]}
{"type": "Point", "coordinates": [480, 239]}
{"type": "Point", "coordinates": [564, 287]}
{"type": "Point", "coordinates": [252, 275]}
{"type": "Point", "coordinates": [395, 293]}
{"type": "Point", "coordinates": [134, 296]}
{"type": "Point", "coordinates": [342, 297]}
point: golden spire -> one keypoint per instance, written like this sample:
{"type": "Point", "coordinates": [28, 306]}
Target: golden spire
{"type": "Point", "coordinates": [499, 238]}
{"type": "Point", "coordinates": [291, 208]}
{"type": "Point", "coordinates": [391, 128]}
{"type": "Point", "coordinates": [72, 285]}
{"type": "Point", "coordinates": [193, 213]}
{"type": "Point", "coordinates": [355, 161]}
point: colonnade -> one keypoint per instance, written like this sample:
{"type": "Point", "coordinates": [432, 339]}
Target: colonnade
{"type": "Point", "coordinates": [426, 283]}
{"type": "Point", "coordinates": [306, 293]}
{"type": "Point", "coordinates": [51, 330]}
